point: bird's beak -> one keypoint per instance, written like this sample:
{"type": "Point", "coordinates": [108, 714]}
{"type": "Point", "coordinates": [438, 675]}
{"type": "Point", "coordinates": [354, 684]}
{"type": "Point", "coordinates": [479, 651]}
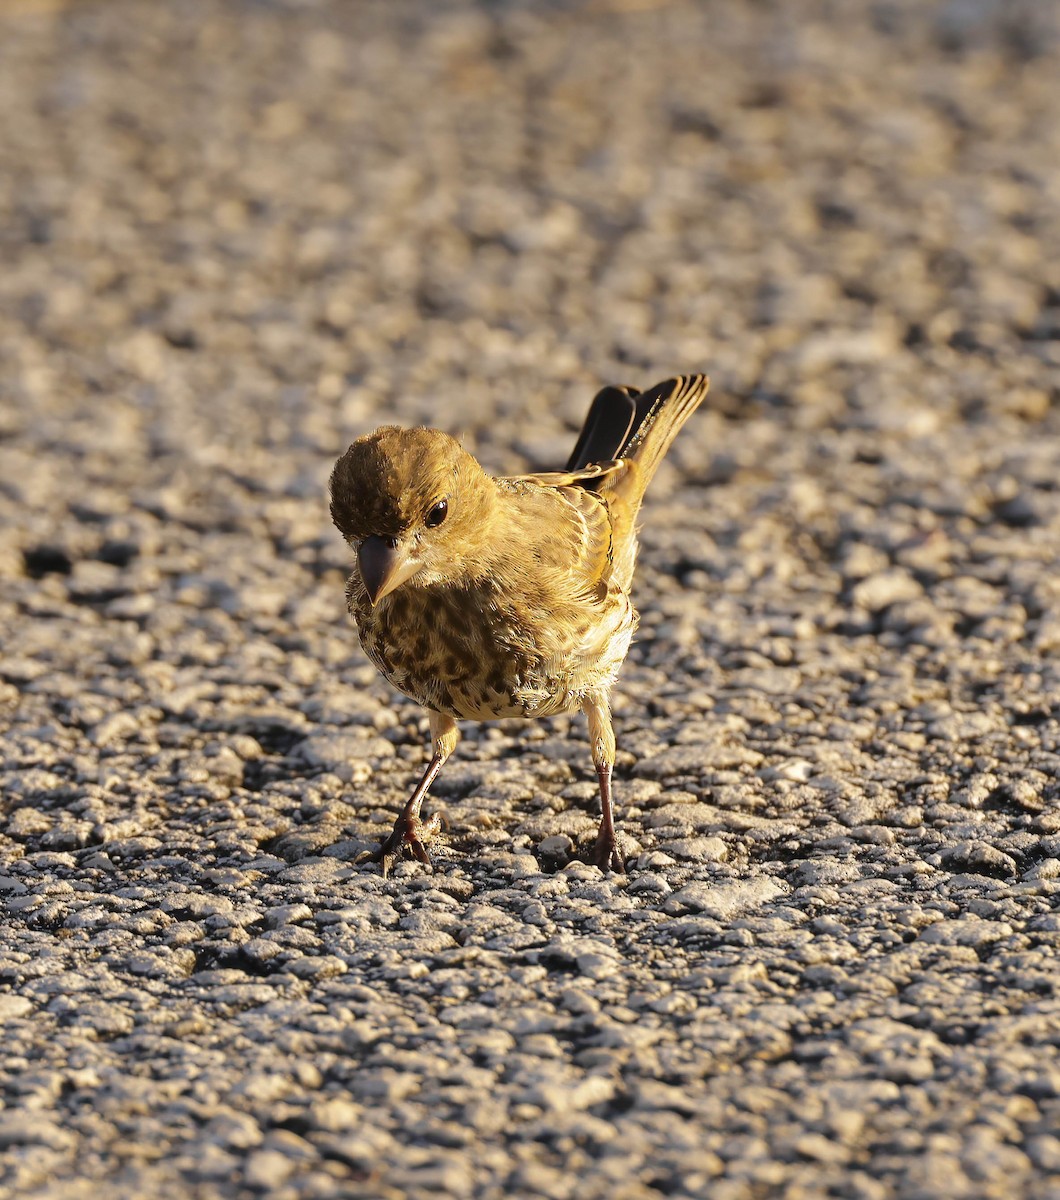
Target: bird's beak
{"type": "Point", "coordinates": [385, 565]}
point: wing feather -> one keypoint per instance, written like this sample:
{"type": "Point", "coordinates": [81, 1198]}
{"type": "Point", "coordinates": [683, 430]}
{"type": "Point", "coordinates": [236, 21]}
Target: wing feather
{"type": "Point", "coordinates": [579, 548]}
{"type": "Point", "coordinates": [584, 477]}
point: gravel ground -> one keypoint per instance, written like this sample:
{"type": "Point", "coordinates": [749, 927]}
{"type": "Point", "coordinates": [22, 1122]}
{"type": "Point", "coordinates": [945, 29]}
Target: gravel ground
{"type": "Point", "coordinates": [234, 236]}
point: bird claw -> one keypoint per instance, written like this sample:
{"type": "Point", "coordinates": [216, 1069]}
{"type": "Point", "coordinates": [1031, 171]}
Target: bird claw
{"type": "Point", "coordinates": [606, 855]}
{"type": "Point", "coordinates": [407, 837]}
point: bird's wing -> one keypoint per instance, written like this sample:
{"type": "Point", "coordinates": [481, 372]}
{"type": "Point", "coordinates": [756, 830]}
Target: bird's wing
{"type": "Point", "coordinates": [564, 528]}
{"type": "Point", "coordinates": [585, 477]}
{"type": "Point", "coordinates": [594, 559]}
{"type": "Point", "coordinates": [577, 528]}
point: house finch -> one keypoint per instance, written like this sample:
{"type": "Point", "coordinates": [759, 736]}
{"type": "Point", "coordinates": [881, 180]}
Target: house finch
{"type": "Point", "coordinates": [484, 597]}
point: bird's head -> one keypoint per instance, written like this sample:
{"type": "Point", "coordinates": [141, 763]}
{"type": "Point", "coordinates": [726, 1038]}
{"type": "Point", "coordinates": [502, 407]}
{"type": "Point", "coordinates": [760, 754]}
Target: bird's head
{"type": "Point", "coordinates": [411, 502]}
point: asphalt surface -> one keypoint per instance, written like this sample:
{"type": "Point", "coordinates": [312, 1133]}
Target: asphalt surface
{"type": "Point", "coordinates": [235, 236]}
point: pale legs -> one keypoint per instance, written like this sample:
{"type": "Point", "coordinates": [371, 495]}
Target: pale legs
{"type": "Point", "coordinates": [409, 832]}
{"type": "Point", "coordinates": [605, 853]}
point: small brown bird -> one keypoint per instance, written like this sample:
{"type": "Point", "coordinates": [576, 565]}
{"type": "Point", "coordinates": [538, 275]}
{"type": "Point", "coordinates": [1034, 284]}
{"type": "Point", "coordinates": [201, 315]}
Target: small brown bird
{"type": "Point", "coordinates": [484, 597]}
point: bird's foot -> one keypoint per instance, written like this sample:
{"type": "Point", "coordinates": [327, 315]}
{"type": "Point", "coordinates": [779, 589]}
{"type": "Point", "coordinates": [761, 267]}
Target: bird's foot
{"type": "Point", "coordinates": [605, 853]}
{"type": "Point", "coordinates": [408, 837]}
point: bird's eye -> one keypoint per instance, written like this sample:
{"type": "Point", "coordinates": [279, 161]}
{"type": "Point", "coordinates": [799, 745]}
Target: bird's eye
{"type": "Point", "coordinates": [437, 514]}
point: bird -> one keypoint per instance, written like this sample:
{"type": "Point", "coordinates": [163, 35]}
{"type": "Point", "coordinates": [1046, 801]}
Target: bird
{"type": "Point", "coordinates": [482, 597]}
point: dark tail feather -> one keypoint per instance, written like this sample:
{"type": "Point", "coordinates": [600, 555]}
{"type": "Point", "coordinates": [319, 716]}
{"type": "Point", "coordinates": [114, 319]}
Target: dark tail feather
{"type": "Point", "coordinates": [660, 413]}
{"type": "Point", "coordinates": [611, 418]}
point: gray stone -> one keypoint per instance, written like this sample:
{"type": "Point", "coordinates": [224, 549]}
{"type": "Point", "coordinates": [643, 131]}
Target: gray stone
{"type": "Point", "coordinates": [724, 901]}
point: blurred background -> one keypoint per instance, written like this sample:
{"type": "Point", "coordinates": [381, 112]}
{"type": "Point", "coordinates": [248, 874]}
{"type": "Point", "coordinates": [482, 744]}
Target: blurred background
{"type": "Point", "coordinates": [236, 235]}
{"type": "Point", "coordinates": [259, 227]}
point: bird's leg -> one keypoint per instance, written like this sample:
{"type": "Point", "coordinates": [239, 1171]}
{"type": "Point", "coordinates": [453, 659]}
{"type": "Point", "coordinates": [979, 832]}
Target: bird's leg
{"type": "Point", "coordinates": [409, 832]}
{"type": "Point", "coordinates": [605, 853]}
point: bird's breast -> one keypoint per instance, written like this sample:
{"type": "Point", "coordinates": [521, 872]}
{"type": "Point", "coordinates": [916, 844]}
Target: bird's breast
{"type": "Point", "coordinates": [478, 653]}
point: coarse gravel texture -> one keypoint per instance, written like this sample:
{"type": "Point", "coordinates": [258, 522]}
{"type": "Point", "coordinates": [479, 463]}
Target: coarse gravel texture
{"type": "Point", "coordinates": [234, 236]}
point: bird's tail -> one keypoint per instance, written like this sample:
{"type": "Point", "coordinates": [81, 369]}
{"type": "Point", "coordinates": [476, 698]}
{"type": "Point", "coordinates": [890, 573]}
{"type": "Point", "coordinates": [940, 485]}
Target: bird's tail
{"type": "Point", "coordinates": [661, 411]}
